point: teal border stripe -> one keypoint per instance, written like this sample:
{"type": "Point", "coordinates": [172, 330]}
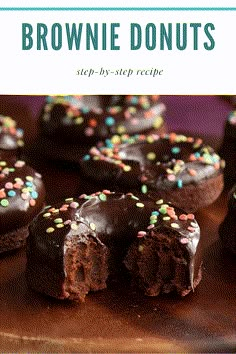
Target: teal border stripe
{"type": "Point", "coordinates": [117, 8]}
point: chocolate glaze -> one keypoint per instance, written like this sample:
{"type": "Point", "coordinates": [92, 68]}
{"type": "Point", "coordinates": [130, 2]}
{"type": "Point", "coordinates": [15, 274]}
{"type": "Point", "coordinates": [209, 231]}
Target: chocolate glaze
{"type": "Point", "coordinates": [87, 119]}
{"type": "Point", "coordinates": [228, 149]}
{"type": "Point", "coordinates": [158, 162]}
{"type": "Point", "coordinates": [113, 220]}
{"type": "Point", "coordinates": [22, 195]}
{"type": "Point", "coordinates": [10, 137]}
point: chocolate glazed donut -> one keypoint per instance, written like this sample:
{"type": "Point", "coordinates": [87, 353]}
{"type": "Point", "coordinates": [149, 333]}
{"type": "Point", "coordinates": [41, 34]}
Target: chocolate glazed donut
{"type": "Point", "coordinates": [227, 229]}
{"type": "Point", "coordinates": [179, 169]}
{"type": "Point", "coordinates": [88, 119]}
{"type": "Point", "coordinates": [21, 199]}
{"type": "Point", "coordinates": [11, 138]}
{"type": "Point", "coordinates": [75, 246]}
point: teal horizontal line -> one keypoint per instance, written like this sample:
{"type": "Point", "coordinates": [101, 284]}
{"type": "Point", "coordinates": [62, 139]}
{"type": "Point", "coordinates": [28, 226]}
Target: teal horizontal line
{"type": "Point", "coordinates": [117, 8]}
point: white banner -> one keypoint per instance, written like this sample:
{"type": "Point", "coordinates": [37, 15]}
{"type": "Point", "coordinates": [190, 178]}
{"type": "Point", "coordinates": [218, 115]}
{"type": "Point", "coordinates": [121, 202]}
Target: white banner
{"type": "Point", "coordinates": [122, 49]}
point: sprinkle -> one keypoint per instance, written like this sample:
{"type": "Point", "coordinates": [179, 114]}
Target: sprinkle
{"type": "Point", "coordinates": [157, 122]}
{"type": "Point", "coordinates": [46, 215]}
{"type": "Point", "coordinates": [4, 202]}
{"type": "Point", "coordinates": [127, 168]}
{"type": "Point", "coordinates": [191, 229]}
{"type": "Point", "coordinates": [102, 197]}
{"type": "Point", "coordinates": [109, 121]}
{"type": "Point", "coordinates": [155, 213]}
{"type": "Point", "coordinates": [79, 120]}
{"type": "Point", "coordinates": [141, 234]}
{"type": "Point", "coordinates": [171, 178]}
{"type": "Point", "coordinates": [191, 216]}
{"type": "Point", "coordinates": [144, 189]}
{"type": "Point", "coordinates": [50, 230]}
{"type": "Point", "coordinates": [74, 205]}
{"type": "Point", "coordinates": [175, 150]}
{"type": "Point", "coordinates": [166, 218]}
{"type": "Point", "coordinates": [153, 217]}
{"type": "Point", "coordinates": [151, 156]}
{"type": "Point", "coordinates": [74, 226]}
{"type": "Point", "coordinates": [89, 131]}
{"type": "Point", "coordinates": [58, 221]}
{"type": "Point", "coordinates": [163, 210]}
{"type": "Point", "coordinates": [11, 193]}
{"type": "Point", "coordinates": [192, 172]}
{"type": "Point", "coordinates": [69, 200]}
{"type": "Point", "coordinates": [67, 222]}
{"type": "Point", "coordinates": [34, 194]}
{"type": "Point", "coordinates": [19, 164]}
{"type": "Point", "coordinates": [134, 197]}
{"type": "Point", "coordinates": [150, 227]}
{"type": "Point", "coordinates": [184, 240]}
{"type": "Point", "coordinates": [183, 217]}
{"type": "Point", "coordinates": [160, 201]}
{"type": "Point", "coordinates": [32, 202]}
{"type": "Point", "coordinates": [92, 226]}
{"type": "Point", "coordinates": [2, 193]}
{"type": "Point", "coordinates": [55, 211]}
{"type": "Point", "coordinates": [59, 226]}
{"type": "Point", "coordinates": [179, 183]}
{"type": "Point", "coordinates": [174, 225]}
{"type": "Point", "coordinates": [8, 185]}
{"type": "Point", "coordinates": [140, 248]}
{"type": "Point", "coordinates": [86, 157]}
{"type": "Point", "coordinates": [140, 205]}
{"type": "Point", "coordinates": [24, 196]}
{"type": "Point", "coordinates": [193, 224]}
{"type": "Point", "coordinates": [29, 178]}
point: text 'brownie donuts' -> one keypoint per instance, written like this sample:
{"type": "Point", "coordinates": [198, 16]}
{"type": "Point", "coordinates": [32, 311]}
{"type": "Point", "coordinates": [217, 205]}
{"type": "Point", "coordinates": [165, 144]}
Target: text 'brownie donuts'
{"type": "Point", "coordinates": [74, 246]}
{"type": "Point", "coordinates": [179, 169]}
{"type": "Point", "coordinates": [21, 199]}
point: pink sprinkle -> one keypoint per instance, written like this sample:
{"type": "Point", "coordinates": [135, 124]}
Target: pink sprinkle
{"type": "Point", "coordinates": [32, 202]}
{"type": "Point", "coordinates": [171, 177]}
{"type": "Point", "coordinates": [82, 196]}
{"type": "Point", "coordinates": [184, 240]}
{"type": "Point", "coordinates": [150, 227]}
{"type": "Point", "coordinates": [63, 208]}
{"type": "Point", "coordinates": [183, 217]}
{"type": "Point", "coordinates": [24, 196]}
{"type": "Point", "coordinates": [134, 121]}
{"type": "Point", "coordinates": [74, 205]}
{"type": "Point", "coordinates": [8, 185]}
{"type": "Point", "coordinates": [19, 164]}
{"type": "Point", "coordinates": [191, 216]}
{"type": "Point", "coordinates": [191, 229]}
{"type": "Point", "coordinates": [141, 234]}
{"type": "Point", "coordinates": [143, 179]}
{"type": "Point", "coordinates": [89, 131]}
{"type": "Point", "coordinates": [106, 191]}
{"type": "Point", "coordinates": [67, 222]}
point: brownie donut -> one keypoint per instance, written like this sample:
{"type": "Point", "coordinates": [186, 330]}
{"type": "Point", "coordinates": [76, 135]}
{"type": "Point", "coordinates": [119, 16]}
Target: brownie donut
{"type": "Point", "coordinates": [227, 229]}
{"type": "Point", "coordinates": [70, 125]}
{"type": "Point", "coordinates": [11, 137]}
{"type": "Point", "coordinates": [21, 199]}
{"type": "Point", "coordinates": [179, 169]}
{"type": "Point", "coordinates": [228, 150]}
{"type": "Point", "coordinates": [73, 247]}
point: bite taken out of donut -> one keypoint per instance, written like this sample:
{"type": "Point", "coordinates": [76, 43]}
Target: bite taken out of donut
{"type": "Point", "coordinates": [77, 245]}
{"type": "Point", "coordinates": [179, 169]}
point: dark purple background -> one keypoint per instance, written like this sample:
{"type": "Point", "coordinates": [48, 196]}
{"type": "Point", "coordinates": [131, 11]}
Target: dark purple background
{"type": "Point", "coordinates": [201, 115]}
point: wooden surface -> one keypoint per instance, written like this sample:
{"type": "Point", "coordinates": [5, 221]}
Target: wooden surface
{"type": "Point", "coordinates": [120, 319]}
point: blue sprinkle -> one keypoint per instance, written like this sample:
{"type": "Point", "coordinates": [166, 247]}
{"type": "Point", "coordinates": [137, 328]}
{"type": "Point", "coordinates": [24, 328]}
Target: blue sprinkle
{"type": "Point", "coordinates": [34, 194]}
{"type": "Point", "coordinates": [134, 100]}
{"type": "Point", "coordinates": [29, 184]}
{"type": "Point", "coordinates": [155, 213]}
{"type": "Point", "coordinates": [85, 109]}
{"type": "Point", "coordinates": [109, 143]}
{"type": "Point", "coordinates": [86, 157]}
{"type": "Point", "coordinates": [11, 193]}
{"type": "Point", "coordinates": [179, 183]}
{"type": "Point", "coordinates": [197, 154]}
{"type": "Point", "coordinates": [175, 150]}
{"type": "Point", "coordinates": [109, 121]}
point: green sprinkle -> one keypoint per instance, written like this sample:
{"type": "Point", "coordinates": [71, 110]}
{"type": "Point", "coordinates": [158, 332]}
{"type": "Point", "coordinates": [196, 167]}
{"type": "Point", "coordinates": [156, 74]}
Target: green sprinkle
{"type": "Point", "coordinates": [46, 215]}
{"type": "Point", "coordinates": [153, 217]}
{"type": "Point", "coordinates": [144, 189]}
{"type": "Point", "coordinates": [102, 197]}
{"type": "Point", "coordinates": [92, 226]}
{"type": "Point", "coordinates": [162, 210]}
{"type": "Point", "coordinates": [153, 222]}
{"type": "Point", "coordinates": [58, 221]}
{"type": "Point", "coordinates": [50, 230]}
{"type": "Point", "coordinates": [4, 202]}
{"type": "Point", "coordinates": [140, 205]}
